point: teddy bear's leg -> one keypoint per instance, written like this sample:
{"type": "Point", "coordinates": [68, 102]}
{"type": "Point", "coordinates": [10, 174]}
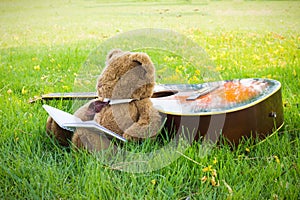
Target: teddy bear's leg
{"type": "Point", "coordinates": [90, 140]}
{"type": "Point", "coordinates": [86, 112]}
{"type": "Point", "coordinates": [63, 136]}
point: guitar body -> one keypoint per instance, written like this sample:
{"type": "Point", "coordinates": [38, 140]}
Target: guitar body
{"type": "Point", "coordinates": [234, 109]}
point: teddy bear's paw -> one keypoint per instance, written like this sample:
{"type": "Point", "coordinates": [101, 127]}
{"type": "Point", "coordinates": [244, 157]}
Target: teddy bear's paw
{"type": "Point", "coordinates": [130, 138]}
{"type": "Point", "coordinates": [55, 131]}
{"type": "Point", "coordinates": [146, 127]}
{"type": "Point", "coordinates": [90, 140]}
{"type": "Point", "coordinates": [138, 132]}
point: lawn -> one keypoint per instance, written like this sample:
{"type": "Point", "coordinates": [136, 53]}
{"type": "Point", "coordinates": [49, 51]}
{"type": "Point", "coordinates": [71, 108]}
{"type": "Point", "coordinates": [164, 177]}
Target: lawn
{"type": "Point", "coordinates": [44, 46]}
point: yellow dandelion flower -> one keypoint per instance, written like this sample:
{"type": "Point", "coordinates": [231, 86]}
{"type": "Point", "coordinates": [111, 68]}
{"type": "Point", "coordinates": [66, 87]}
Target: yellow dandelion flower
{"type": "Point", "coordinates": [281, 49]}
{"type": "Point", "coordinates": [182, 67]}
{"type": "Point", "coordinates": [23, 90]}
{"type": "Point", "coordinates": [247, 149]}
{"type": "Point", "coordinates": [65, 87]}
{"type": "Point", "coordinates": [16, 37]}
{"type": "Point", "coordinates": [256, 57]}
{"type": "Point", "coordinates": [173, 79]}
{"type": "Point", "coordinates": [207, 169]}
{"type": "Point", "coordinates": [276, 51]}
{"type": "Point", "coordinates": [197, 72]}
{"type": "Point", "coordinates": [153, 181]}
{"type": "Point", "coordinates": [215, 161]}
{"type": "Point", "coordinates": [276, 159]}
{"type": "Point", "coordinates": [223, 54]}
{"type": "Point", "coordinates": [218, 69]}
{"type": "Point", "coordinates": [193, 79]}
{"type": "Point", "coordinates": [213, 58]}
{"type": "Point", "coordinates": [37, 67]}
{"type": "Point", "coordinates": [168, 59]}
{"type": "Point", "coordinates": [9, 91]}
{"type": "Point", "coordinates": [269, 43]}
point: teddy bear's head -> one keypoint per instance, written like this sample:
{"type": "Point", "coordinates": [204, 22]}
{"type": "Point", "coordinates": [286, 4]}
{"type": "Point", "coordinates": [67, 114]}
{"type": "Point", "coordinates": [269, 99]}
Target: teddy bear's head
{"type": "Point", "coordinates": [127, 75]}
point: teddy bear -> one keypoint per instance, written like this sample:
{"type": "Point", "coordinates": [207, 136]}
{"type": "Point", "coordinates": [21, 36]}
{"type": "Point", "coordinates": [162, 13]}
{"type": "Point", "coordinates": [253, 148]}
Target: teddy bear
{"type": "Point", "coordinates": [128, 78]}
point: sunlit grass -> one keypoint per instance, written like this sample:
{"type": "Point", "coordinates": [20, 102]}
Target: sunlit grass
{"type": "Point", "coordinates": [45, 54]}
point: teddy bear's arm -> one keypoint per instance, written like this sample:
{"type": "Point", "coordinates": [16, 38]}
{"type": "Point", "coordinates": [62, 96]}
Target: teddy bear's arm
{"type": "Point", "coordinates": [148, 123]}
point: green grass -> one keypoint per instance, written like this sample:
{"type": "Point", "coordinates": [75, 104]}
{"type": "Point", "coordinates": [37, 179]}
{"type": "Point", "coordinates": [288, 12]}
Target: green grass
{"type": "Point", "coordinates": [43, 48]}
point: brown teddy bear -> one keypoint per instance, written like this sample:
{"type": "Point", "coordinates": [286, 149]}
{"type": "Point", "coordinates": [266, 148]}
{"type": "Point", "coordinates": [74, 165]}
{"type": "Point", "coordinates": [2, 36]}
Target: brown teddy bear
{"type": "Point", "coordinates": [128, 78]}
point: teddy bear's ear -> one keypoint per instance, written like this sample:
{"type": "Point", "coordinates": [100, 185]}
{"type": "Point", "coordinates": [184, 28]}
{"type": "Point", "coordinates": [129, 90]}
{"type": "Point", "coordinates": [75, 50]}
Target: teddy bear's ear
{"type": "Point", "coordinates": [141, 59]}
{"type": "Point", "coordinates": [112, 53]}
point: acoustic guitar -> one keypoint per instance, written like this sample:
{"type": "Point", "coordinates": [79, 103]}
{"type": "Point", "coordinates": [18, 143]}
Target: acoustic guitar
{"type": "Point", "coordinates": [232, 109]}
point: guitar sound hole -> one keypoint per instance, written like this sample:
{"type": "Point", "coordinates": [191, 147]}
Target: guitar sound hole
{"type": "Point", "coordinates": [164, 93]}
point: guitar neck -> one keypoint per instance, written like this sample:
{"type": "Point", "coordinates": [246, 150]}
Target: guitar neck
{"type": "Point", "coordinates": [66, 96]}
